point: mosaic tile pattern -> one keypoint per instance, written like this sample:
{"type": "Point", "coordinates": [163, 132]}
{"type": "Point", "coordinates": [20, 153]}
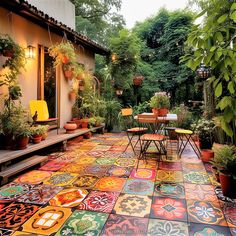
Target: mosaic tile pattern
{"type": "Point", "coordinates": [94, 189]}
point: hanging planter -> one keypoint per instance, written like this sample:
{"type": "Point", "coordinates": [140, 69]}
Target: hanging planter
{"type": "Point", "coordinates": [72, 95]}
{"type": "Point", "coordinates": [137, 80]}
{"type": "Point", "coordinates": [68, 71]}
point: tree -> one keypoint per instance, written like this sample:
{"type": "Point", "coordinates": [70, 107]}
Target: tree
{"type": "Point", "coordinates": [212, 43]}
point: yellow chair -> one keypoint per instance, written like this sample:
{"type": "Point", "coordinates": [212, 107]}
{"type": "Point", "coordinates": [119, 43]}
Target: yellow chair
{"type": "Point", "coordinates": [39, 112]}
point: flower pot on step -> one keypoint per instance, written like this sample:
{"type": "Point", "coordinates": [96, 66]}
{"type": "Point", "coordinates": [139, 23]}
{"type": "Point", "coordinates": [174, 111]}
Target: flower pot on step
{"type": "Point", "coordinates": [228, 185]}
{"type": "Point", "coordinates": [207, 155]}
{"type": "Point", "coordinates": [70, 127]}
{"type": "Point", "coordinates": [37, 138]}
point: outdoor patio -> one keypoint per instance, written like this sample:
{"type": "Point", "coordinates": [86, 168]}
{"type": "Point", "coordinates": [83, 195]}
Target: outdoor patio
{"type": "Point", "coordinates": [94, 189]}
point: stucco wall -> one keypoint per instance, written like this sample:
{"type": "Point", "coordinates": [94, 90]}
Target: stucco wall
{"type": "Point", "coordinates": [61, 10]}
{"type": "Point", "coordinates": [26, 33]}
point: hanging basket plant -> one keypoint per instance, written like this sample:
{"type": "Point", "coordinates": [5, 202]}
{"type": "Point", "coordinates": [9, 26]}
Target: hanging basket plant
{"type": "Point", "coordinates": [68, 71]}
{"type": "Point", "coordinates": [63, 53]}
{"type": "Point", "coordinates": [137, 80]}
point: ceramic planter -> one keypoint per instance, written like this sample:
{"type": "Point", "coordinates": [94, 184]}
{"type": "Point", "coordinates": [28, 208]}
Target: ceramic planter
{"type": "Point", "coordinates": [36, 138]}
{"type": "Point", "coordinates": [70, 127]}
{"type": "Point", "coordinates": [207, 155]}
{"type": "Point", "coordinates": [228, 185]}
{"type": "Point", "coordinates": [216, 173]}
{"type": "Point", "coordinates": [22, 142]}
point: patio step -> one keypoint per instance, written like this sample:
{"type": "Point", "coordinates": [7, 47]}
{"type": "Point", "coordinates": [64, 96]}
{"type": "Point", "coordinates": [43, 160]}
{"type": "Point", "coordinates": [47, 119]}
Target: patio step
{"type": "Point", "coordinates": [20, 166]}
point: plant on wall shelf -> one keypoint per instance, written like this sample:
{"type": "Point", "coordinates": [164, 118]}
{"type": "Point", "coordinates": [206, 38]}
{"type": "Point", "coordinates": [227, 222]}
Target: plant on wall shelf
{"type": "Point", "coordinates": [63, 53]}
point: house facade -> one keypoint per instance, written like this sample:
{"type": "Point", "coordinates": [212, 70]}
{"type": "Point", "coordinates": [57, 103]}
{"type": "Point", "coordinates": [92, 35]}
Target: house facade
{"type": "Point", "coordinates": [28, 25]}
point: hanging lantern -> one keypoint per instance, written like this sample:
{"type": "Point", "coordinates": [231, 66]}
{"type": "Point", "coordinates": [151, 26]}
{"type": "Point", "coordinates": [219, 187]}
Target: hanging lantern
{"type": "Point", "coordinates": [203, 71]}
{"type": "Point", "coordinates": [119, 92]}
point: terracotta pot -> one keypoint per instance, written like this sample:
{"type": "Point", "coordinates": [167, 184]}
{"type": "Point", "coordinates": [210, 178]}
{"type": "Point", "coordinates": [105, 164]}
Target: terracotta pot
{"type": "Point", "coordinates": [78, 122]}
{"type": "Point", "coordinates": [207, 155]}
{"type": "Point", "coordinates": [8, 53]}
{"type": "Point", "coordinates": [44, 135]}
{"type": "Point", "coordinates": [72, 96]}
{"type": "Point", "coordinates": [68, 74]}
{"type": "Point", "coordinates": [70, 127]}
{"type": "Point", "coordinates": [155, 111]}
{"type": "Point", "coordinates": [227, 185]}
{"type": "Point", "coordinates": [162, 111]}
{"type": "Point", "coordinates": [37, 138]}
{"type": "Point", "coordinates": [22, 142]}
{"type": "Point", "coordinates": [65, 60]}
{"type": "Point", "coordinates": [137, 81]}
{"type": "Point", "coordinates": [84, 123]}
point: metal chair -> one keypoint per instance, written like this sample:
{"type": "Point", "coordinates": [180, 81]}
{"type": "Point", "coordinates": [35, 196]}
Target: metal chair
{"type": "Point", "coordinates": [154, 135]}
{"type": "Point", "coordinates": [128, 121]}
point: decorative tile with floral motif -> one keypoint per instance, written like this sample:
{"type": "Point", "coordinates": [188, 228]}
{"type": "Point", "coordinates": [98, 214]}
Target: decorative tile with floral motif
{"type": "Point", "coordinates": [139, 187]}
{"type": "Point", "coordinates": [12, 191]}
{"type": "Point", "coordinates": [47, 220]}
{"type": "Point", "coordinates": [117, 148]}
{"type": "Point", "coordinates": [169, 176]}
{"type": "Point", "coordinates": [110, 183]}
{"type": "Point", "coordinates": [39, 194]}
{"type": "Point", "coordinates": [172, 190]}
{"type": "Point", "coordinates": [96, 153]}
{"type": "Point", "coordinates": [105, 160]}
{"type": "Point", "coordinates": [192, 160]}
{"type": "Point", "coordinates": [53, 166]}
{"type": "Point", "coordinates": [69, 197]}
{"type": "Point", "coordinates": [83, 223]}
{"type": "Point", "coordinates": [196, 178]}
{"type": "Point", "coordinates": [86, 181]}
{"type": "Point", "coordinates": [158, 227]}
{"type": "Point", "coordinates": [209, 230]}
{"type": "Point", "coordinates": [15, 214]}
{"type": "Point", "coordinates": [127, 154]}
{"type": "Point", "coordinates": [149, 164]}
{"type": "Point", "coordinates": [123, 162]}
{"type": "Point", "coordinates": [205, 212]}
{"type": "Point", "coordinates": [99, 201]}
{"type": "Point", "coordinates": [112, 154]}
{"type": "Point", "coordinates": [233, 231]}
{"type": "Point", "coordinates": [200, 192]}
{"type": "Point", "coordinates": [61, 179]}
{"type": "Point", "coordinates": [117, 171]}
{"type": "Point", "coordinates": [163, 165]}
{"type": "Point", "coordinates": [5, 232]}
{"type": "Point", "coordinates": [97, 170]}
{"type": "Point", "coordinates": [133, 205]}
{"type": "Point", "coordinates": [74, 168]}
{"type": "Point", "coordinates": [67, 157]}
{"type": "Point", "coordinates": [33, 177]}
{"type": "Point", "coordinates": [169, 209]}
{"type": "Point", "coordinates": [145, 174]}
{"type": "Point", "coordinates": [85, 160]}
{"type": "Point", "coordinates": [20, 233]}
{"type": "Point", "coordinates": [187, 167]}
{"type": "Point", "coordinates": [229, 209]}
{"type": "Point", "coordinates": [125, 225]}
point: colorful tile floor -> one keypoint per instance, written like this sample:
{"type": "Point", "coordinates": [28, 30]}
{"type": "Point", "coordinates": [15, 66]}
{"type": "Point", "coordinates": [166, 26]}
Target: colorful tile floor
{"type": "Point", "coordinates": [94, 189]}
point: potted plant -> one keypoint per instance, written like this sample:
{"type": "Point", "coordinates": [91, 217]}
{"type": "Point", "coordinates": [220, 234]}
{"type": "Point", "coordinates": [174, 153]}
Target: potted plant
{"type": "Point", "coordinates": [204, 128]}
{"type": "Point", "coordinates": [37, 133]}
{"type": "Point", "coordinates": [137, 80]}
{"type": "Point", "coordinates": [225, 162]}
{"type": "Point", "coordinates": [45, 133]}
{"type": "Point", "coordinates": [96, 121]}
{"type": "Point", "coordinates": [160, 103]}
{"type": "Point", "coordinates": [22, 134]}
{"type": "Point", "coordinates": [68, 71]}
{"type": "Point", "coordinates": [63, 53]}
{"type": "Point", "coordinates": [79, 72]}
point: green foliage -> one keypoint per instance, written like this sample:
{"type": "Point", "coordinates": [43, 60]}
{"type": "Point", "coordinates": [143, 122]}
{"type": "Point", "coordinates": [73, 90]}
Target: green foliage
{"type": "Point", "coordinates": [38, 130]}
{"type": "Point", "coordinates": [225, 159]}
{"type": "Point", "coordinates": [160, 101]}
{"type": "Point", "coordinates": [125, 53]}
{"type": "Point", "coordinates": [213, 43]}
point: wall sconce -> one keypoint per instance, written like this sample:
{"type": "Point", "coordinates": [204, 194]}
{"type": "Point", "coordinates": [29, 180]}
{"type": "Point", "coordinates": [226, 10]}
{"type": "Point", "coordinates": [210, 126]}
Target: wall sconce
{"type": "Point", "coordinates": [30, 52]}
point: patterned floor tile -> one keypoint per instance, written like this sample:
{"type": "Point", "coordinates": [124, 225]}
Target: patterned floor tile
{"type": "Point", "coordinates": [208, 167]}
{"type": "Point", "coordinates": [210, 230]}
{"type": "Point", "coordinates": [168, 209]}
{"type": "Point", "coordinates": [47, 220]}
{"type": "Point", "coordinates": [97, 170]}
{"type": "Point", "coordinates": [83, 223]}
{"type": "Point", "coordinates": [102, 148]}
{"type": "Point", "coordinates": [15, 214]}
{"type": "Point", "coordinates": [205, 213]}
{"type": "Point", "coordinates": [192, 167]}
{"type": "Point", "coordinates": [53, 165]}
{"type": "Point", "coordinates": [69, 197]}
{"type": "Point", "coordinates": [12, 191]}
{"type": "Point", "coordinates": [125, 225]}
{"type": "Point", "coordinates": [123, 162]}
{"type": "Point", "coordinates": [172, 190]}
{"type": "Point", "coordinates": [86, 181]}
{"type": "Point", "coordinates": [149, 164]}
{"type": "Point", "coordinates": [85, 160]}
{"type": "Point", "coordinates": [61, 179]}
{"type": "Point", "coordinates": [169, 176]}
{"type": "Point", "coordinates": [170, 165]}
{"type": "Point", "coordinates": [193, 160]}
{"type": "Point", "coordinates": [145, 174]}
{"type": "Point", "coordinates": [20, 233]}
{"type": "Point", "coordinates": [139, 187]}
{"type": "Point", "coordinates": [5, 232]}
{"type": "Point", "coordinates": [200, 192]}
{"type": "Point", "coordinates": [96, 153]}
{"type": "Point", "coordinates": [74, 168]}
{"type": "Point", "coordinates": [117, 148]}
{"type": "Point", "coordinates": [119, 171]}
{"type": "Point", "coordinates": [113, 154]}
{"type": "Point", "coordinates": [110, 183]}
{"type": "Point", "coordinates": [105, 160]}
{"type": "Point", "coordinates": [33, 177]}
{"type": "Point", "coordinates": [133, 205]}
{"type": "Point", "coordinates": [196, 178]}
{"type": "Point", "coordinates": [127, 154]}
{"type": "Point", "coordinates": [67, 157]}
{"type": "Point", "coordinates": [39, 194]}
{"type": "Point", "coordinates": [167, 228]}
{"type": "Point", "coordinates": [233, 231]}
{"type": "Point", "coordinates": [229, 209]}
{"type": "Point", "coordinates": [99, 201]}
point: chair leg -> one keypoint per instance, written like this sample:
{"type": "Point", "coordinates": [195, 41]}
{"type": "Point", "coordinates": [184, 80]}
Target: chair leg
{"type": "Point", "coordinates": [130, 138]}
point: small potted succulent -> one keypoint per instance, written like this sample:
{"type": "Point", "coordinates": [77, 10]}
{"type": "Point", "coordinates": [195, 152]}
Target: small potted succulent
{"type": "Point", "coordinates": [160, 103]}
{"type": "Point", "coordinates": [37, 133]}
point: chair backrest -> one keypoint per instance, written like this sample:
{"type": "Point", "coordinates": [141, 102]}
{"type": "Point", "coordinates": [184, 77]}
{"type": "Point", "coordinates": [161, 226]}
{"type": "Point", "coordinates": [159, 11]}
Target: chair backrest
{"type": "Point", "coordinates": [126, 111]}
{"type": "Point", "coordinates": [149, 121]}
{"type": "Point", "coordinates": [41, 107]}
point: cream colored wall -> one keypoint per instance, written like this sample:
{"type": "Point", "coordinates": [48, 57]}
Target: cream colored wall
{"type": "Point", "coordinates": [26, 33]}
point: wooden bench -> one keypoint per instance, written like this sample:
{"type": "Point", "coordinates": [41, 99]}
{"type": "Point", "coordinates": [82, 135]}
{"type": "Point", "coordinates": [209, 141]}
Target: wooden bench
{"type": "Point", "coordinates": [20, 166]}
